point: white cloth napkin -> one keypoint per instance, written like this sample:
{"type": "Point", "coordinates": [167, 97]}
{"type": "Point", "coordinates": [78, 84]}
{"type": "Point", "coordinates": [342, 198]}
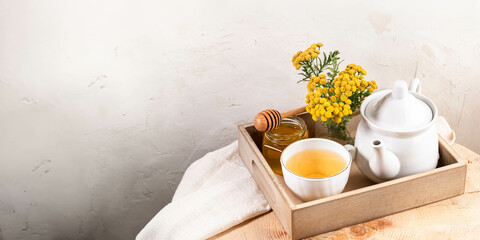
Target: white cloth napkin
{"type": "Point", "coordinates": [216, 192]}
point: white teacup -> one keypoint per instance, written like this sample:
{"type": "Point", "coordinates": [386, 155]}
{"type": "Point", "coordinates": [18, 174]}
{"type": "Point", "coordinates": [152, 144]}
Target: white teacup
{"type": "Point", "coordinates": [314, 188]}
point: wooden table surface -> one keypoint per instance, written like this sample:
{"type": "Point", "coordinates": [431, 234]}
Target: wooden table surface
{"type": "Point", "coordinates": [454, 218]}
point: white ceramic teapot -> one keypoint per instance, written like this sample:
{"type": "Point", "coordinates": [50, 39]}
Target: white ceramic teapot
{"type": "Point", "coordinates": [397, 135]}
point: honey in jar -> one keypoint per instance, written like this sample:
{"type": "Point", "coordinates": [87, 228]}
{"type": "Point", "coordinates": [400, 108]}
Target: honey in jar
{"type": "Point", "coordinates": [291, 129]}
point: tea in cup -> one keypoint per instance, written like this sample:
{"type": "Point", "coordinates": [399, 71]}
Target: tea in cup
{"type": "Point", "coordinates": [315, 168]}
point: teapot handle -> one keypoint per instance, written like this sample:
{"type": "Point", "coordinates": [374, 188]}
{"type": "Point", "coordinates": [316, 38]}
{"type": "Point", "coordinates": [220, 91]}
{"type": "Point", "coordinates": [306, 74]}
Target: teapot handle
{"type": "Point", "coordinates": [415, 86]}
{"type": "Point", "coordinates": [445, 131]}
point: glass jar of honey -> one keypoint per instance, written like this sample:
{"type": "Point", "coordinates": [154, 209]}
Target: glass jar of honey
{"type": "Point", "coordinates": [291, 129]}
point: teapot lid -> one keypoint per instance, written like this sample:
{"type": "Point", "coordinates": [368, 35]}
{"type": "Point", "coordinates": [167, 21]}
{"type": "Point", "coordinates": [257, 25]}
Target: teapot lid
{"type": "Point", "coordinates": [399, 110]}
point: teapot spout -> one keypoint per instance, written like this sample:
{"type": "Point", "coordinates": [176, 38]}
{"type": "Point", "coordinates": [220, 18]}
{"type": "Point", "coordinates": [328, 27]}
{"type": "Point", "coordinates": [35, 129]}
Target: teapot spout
{"type": "Point", "coordinates": [385, 164]}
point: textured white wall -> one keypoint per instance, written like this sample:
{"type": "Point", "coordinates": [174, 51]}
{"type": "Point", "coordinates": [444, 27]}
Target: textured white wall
{"type": "Point", "coordinates": [103, 104]}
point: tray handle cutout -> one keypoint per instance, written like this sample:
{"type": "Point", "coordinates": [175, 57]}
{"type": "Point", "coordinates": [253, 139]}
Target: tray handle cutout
{"type": "Point", "coordinates": [261, 181]}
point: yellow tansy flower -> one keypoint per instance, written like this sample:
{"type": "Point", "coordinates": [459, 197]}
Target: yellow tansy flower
{"type": "Point", "coordinates": [336, 110]}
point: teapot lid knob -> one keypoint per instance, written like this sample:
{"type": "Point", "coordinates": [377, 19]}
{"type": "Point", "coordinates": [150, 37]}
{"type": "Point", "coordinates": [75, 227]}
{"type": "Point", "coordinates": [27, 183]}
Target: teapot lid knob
{"type": "Point", "coordinates": [400, 90]}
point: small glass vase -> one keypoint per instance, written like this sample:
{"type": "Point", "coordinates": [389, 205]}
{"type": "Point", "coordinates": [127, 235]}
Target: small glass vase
{"type": "Point", "coordinates": [340, 134]}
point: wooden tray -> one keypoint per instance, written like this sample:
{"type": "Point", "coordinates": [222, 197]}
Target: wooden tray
{"type": "Point", "coordinates": [362, 200]}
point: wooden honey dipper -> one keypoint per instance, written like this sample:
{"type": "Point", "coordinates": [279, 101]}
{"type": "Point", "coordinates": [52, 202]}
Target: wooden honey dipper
{"type": "Point", "coordinates": [269, 119]}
